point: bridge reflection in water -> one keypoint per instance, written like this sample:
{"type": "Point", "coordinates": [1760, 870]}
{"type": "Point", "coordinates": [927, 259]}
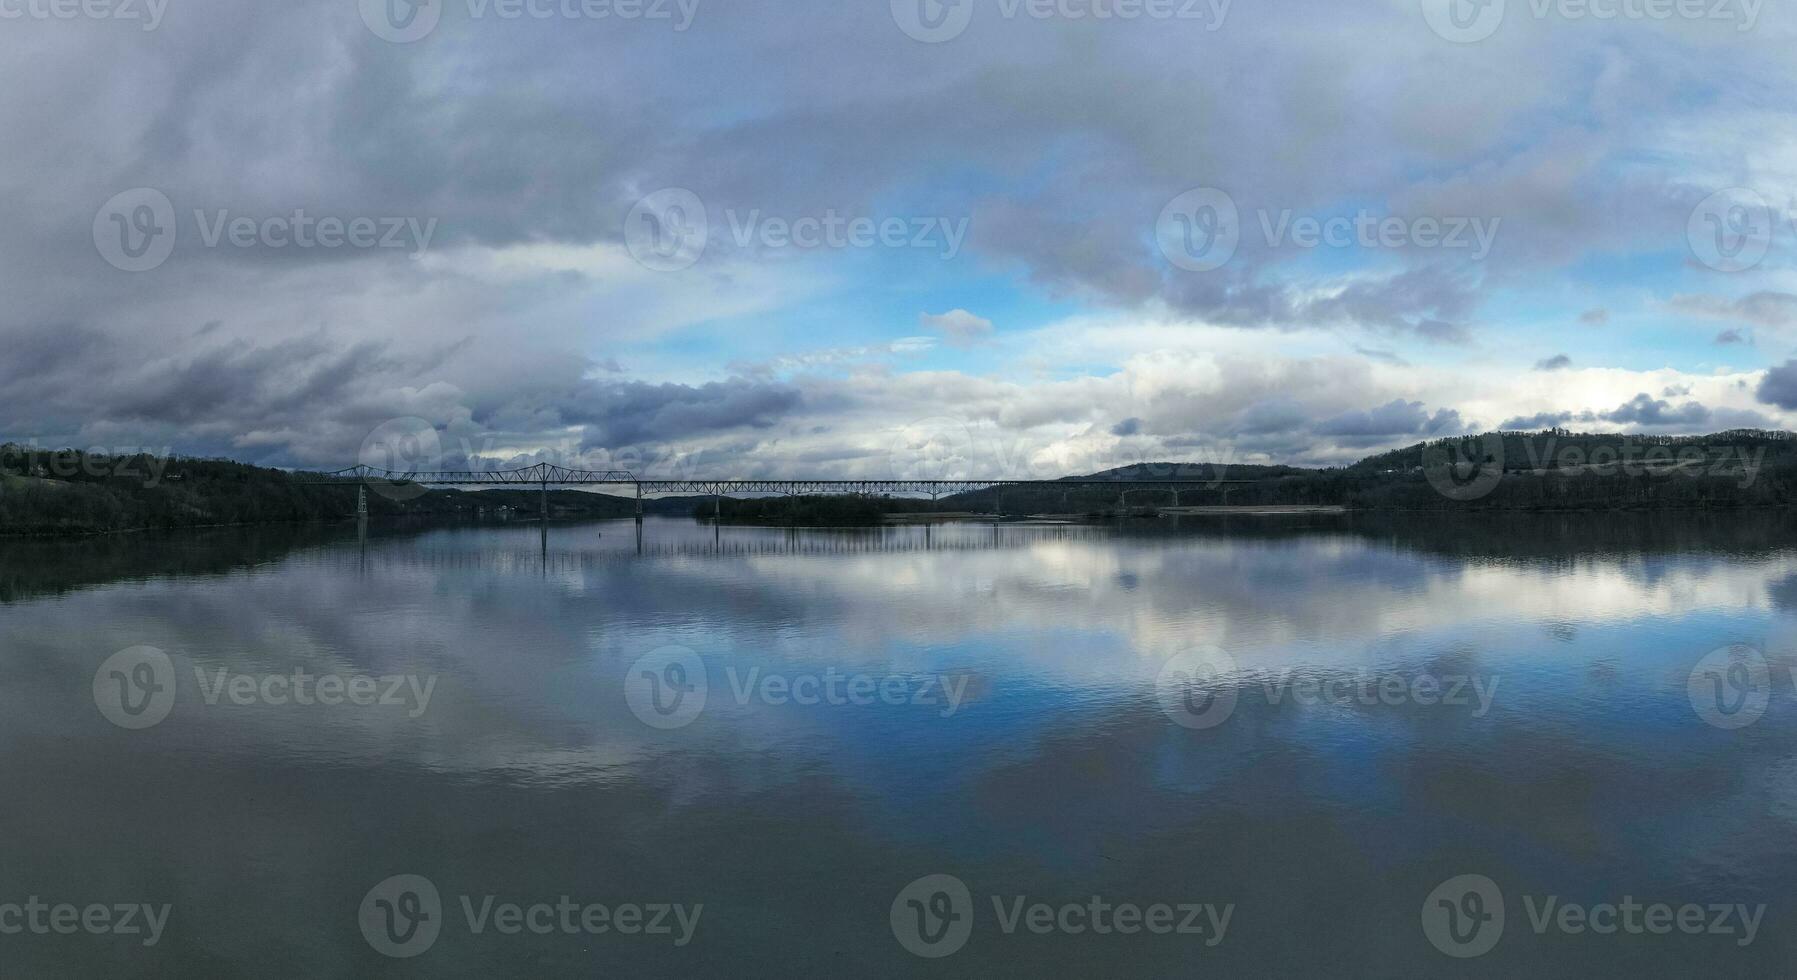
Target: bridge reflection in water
{"type": "Point", "coordinates": [597, 546]}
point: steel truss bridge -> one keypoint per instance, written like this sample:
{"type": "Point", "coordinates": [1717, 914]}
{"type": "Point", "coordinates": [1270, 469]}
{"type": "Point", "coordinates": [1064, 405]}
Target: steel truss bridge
{"type": "Point", "coordinates": [545, 475]}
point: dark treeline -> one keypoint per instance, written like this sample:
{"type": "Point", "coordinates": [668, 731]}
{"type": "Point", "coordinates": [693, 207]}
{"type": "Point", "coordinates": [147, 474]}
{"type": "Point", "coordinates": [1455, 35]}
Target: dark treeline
{"type": "Point", "coordinates": [1551, 470]}
{"type": "Point", "coordinates": [71, 492]}
{"type": "Point", "coordinates": [66, 491]}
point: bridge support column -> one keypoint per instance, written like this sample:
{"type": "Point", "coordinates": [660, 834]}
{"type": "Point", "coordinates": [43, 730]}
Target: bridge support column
{"type": "Point", "coordinates": [543, 503]}
{"type": "Point", "coordinates": [361, 503]}
{"type": "Point", "coordinates": [717, 507]}
{"type": "Point", "coordinates": [639, 503]}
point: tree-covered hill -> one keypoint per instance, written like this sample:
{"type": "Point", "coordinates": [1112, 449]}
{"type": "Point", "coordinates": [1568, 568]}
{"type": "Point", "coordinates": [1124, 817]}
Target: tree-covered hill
{"type": "Point", "coordinates": [67, 491]}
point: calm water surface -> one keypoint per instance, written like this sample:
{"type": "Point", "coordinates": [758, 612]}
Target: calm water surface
{"type": "Point", "coordinates": [1004, 714]}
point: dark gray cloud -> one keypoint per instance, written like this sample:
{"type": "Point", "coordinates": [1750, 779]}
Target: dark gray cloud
{"type": "Point", "coordinates": [634, 413]}
{"type": "Point", "coordinates": [1272, 415]}
{"type": "Point", "coordinates": [1540, 420]}
{"type": "Point", "coordinates": [1646, 410]}
{"type": "Point", "coordinates": [1395, 418]}
{"type": "Point", "coordinates": [1555, 363]}
{"type": "Point", "coordinates": [1766, 308]}
{"type": "Point", "coordinates": [1431, 302]}
{"type": "Point", "coordinates": [1779, 386]}
{"type": "Point", "coordinates": [1381, 355]}
{"type": "Point", "coordinates": [1127, 427]}
{"type": "Point", "coordinates": [1595, 317]}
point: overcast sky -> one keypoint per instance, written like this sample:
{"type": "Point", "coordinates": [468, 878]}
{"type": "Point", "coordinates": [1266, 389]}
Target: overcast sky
{"type": "Point", "coordinates": [890, 237]}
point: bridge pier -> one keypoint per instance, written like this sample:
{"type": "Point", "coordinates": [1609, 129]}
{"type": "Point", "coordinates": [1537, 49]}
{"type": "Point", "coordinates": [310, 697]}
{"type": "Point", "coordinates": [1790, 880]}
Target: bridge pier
{"type": "Point", "coordinates": [639, 505]}
{"type": "Point", "coordinates": [543, 503]}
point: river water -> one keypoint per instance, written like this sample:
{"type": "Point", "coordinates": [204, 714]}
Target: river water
{"type": "Point", "coordinates": [1338, 746]}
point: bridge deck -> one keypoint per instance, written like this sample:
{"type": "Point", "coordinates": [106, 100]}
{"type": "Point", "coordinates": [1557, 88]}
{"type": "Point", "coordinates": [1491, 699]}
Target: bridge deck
{"type": "Point", "coordinates": [544, 475]}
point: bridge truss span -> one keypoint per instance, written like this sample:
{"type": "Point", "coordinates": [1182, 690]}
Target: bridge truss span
{"type": "Point", "coordinates": [544, 475]}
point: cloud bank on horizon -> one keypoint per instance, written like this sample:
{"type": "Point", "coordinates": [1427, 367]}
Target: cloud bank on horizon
{"type": "Point", "coordinates": [824, 238]}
